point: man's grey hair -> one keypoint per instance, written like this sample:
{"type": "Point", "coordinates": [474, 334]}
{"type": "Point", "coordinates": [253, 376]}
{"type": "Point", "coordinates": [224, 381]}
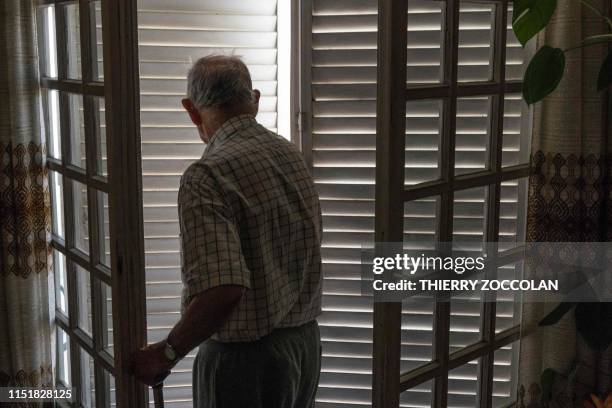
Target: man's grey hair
{"type": "Point", "coordinates": [218, 82]}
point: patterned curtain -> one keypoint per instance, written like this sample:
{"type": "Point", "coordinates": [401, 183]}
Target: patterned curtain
{"type": "Point", "coordinates": [568, 202]}
{"type": "Point", "coordinates": [25, 312]}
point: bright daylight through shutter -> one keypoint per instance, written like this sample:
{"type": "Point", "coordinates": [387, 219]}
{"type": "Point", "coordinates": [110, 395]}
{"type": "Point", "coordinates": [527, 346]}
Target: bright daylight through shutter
{"type": "Point", "coordinates": [174, 34]}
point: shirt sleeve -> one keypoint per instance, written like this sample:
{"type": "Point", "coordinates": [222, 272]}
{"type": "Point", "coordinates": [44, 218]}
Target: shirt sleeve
{"type": "Point", "coordinates": [210, 245]}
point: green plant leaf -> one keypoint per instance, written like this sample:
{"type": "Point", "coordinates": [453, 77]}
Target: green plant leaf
{"type": "Point", "coordinates": [530, 17]}
{"type": "Point", "coordinates": [543, 74]}
{"type": "Point", "coordinates": [605, 73]}
{"type": "Point", "coordinates": [557, 313]}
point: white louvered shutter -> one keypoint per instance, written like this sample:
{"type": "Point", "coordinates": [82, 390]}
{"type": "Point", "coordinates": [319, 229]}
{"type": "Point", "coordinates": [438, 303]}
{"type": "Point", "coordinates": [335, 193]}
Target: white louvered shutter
{"type": "Point", "coordinates": [172, 35]}
{"type": "Point", "coordinates": [343, 139]}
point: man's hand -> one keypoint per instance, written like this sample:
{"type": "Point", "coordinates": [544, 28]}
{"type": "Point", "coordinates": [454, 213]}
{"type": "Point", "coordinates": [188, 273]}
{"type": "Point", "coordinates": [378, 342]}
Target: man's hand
{"type": "Point", "coordinates": [204, 315]}
{"type": "Point", "coordinates": [150, 365]}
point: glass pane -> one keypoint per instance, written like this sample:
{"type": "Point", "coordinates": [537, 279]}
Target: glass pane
{"type": "Point", "coordinates": [84, 296]}
{"type": "Point", "coordinates": [97, 42]}
{"type": "Point", "coordinates": [423, 129]}
{"type": "Point", "coordinates": [63, 358]}
{"type": "Point", "coordinates": [515, 143]}
{"type": "Point", "coordinates": [77, 130]}
{"type": "Point", "coordinates": [110, 390]}
{"type": "Point", "coordinates": [463, 385]}
{"type": "Point", "coordinates": [107, 317]}
{"type": "Point", "coordinates": [417, 397]}
{"type": "Point", "coordinates": [81, 220]}
{"type": "Point", "coordinates": [47, 41]}
{"type": "Point", "coordinates": [103, 225]}
{"type": "Point", "coordinates": [472, 134]}
{"type": "Point", "coordinates": [512, 209]}
{"type": "Point", "coordinates": [73, 40]}
{"type": "Point", "coordinates": [91, 390]}
{"type": "Point", "coordinates": [61, 281]}
{"type": "Point", "coordinates": [475, 42]}
{"type": "Point", "coordinates": [469, 218]}
{"type": "Point", "coordinates": [89, 383]}
{"type": "Point", "coordinates": [52, 122]}
{"type": "Point", "coordinates": [505, 375]}
{"type": "Point", "coordinates": [508, 302]}
{"type": "Point", "coordinates": [515, 53]}
{"type": "Point", "coordinates": [100, 129]}
{"type": "Point", "coordinates": [420, 233]}
{"type": "Point", "coordinates": [57, 203]}
{"type": "Point", "coordinates": [417, 332]}
{"type": "Point", "coordinates": [425, 42]}
{"type": "Point", "coordinates": [421, 223]}
{"type": "Point", "coordinates": [465, 321]}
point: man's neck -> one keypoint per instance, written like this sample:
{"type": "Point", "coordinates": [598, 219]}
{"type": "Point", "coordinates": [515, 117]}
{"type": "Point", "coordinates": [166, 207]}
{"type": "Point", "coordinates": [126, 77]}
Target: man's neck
{"type": "Point", "coordinates": [217, 117]}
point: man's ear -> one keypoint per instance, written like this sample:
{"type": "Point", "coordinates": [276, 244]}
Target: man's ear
{"type": "Point", "coordinates": [194, 115]}
{"type": "Point", "coordinates": [256, 96]}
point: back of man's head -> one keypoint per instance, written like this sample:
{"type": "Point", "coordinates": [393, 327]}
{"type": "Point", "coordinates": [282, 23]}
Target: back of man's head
{"type": "Point", "coordinates": [219, 82]}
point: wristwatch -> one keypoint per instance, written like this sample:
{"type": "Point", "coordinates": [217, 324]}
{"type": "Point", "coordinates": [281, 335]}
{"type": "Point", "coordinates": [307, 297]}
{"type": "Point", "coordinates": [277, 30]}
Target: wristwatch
{"type": "Point", "coordinates": [170, 353]}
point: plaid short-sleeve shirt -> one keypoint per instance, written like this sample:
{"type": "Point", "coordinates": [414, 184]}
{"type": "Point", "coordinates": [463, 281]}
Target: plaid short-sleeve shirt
{"type": "Point", "coordinates": [250, 216]}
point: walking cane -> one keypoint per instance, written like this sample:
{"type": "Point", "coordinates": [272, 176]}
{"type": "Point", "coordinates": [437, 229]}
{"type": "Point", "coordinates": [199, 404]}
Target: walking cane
{"type": "Point", "coordinates": [158, 395]}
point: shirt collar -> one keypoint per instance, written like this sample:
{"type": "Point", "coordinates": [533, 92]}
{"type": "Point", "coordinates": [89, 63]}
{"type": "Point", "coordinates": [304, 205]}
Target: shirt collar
{"type": "Point", "coordinates": [231, 126]}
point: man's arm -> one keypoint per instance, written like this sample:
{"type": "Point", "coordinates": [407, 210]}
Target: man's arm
{"type": "Point", "coordinates": [204, 315]}
{"type": "Point", "coordinates": [214, 275]}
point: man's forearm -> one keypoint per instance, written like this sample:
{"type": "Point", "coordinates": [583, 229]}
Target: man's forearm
{"type": "Point", "coordinates": [204, 315]}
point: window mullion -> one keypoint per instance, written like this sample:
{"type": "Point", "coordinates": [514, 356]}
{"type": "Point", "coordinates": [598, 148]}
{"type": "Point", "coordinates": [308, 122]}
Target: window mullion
{"type": "Point", "coordinates": [99, 331]}
{"type": "Point", "coordinates": [447, 164]}
{"type": "Point", "coordinates": [489, 306]}
{"type": "Point", "coordinates": [122, 101]}
{"type": "Point", "coordinates": [390, 174]}
{"type": "Point", "coordinates": [85, 42]}
{"type": "Point", "coordinates": [61, 42]}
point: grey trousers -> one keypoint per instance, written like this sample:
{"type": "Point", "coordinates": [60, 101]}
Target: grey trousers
{"type": "Point", "coordinates": [280, 370]}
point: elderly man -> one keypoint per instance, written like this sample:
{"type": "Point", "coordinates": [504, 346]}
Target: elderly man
{"type": "Point", "coordinates": [250, 226]}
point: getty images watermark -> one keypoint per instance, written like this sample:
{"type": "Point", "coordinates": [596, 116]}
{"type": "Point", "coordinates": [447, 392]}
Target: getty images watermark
{"type": "Point", "coordinates": [541, 271]}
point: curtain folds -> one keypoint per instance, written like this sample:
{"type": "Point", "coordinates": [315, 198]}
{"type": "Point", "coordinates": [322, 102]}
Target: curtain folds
{"type": "Point", "coordinates": [25, 255]}
{"type": "Point", "coordinates": [569, 201]}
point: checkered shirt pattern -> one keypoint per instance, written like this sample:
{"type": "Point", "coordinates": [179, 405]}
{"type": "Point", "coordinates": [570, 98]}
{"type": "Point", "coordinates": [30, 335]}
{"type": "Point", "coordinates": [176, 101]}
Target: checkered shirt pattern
{"type": "Point", "coordinates": [250, 216]}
